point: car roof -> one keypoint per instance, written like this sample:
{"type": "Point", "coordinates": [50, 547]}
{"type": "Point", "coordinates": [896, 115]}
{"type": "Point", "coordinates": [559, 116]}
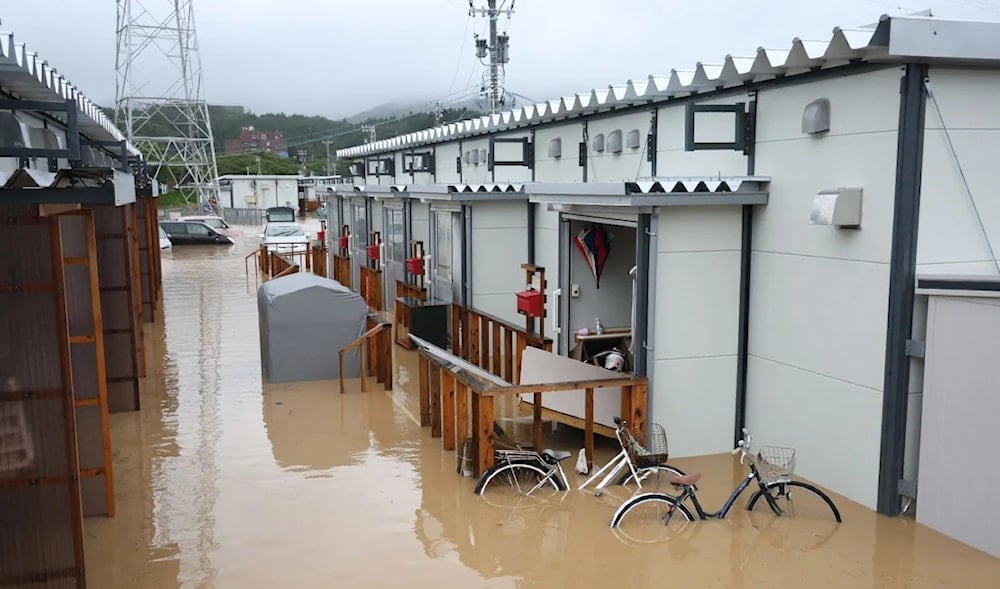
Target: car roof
{"type": "Point", "coordinates": [197, 217]}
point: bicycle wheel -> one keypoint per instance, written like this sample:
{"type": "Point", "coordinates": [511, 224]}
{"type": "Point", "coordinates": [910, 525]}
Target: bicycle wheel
{"type": "Point", "coordinates": [807, 502]}
{"type": "Point", "coordinates": [518, 484]}
{"type": "Point", "coordinates": [655, 479]}
{"type": "Point", "coordinates": [650, 517]}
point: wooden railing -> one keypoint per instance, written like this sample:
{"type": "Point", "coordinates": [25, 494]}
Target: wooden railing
{"type": "Point", "coordinates": [375, 355]}
{"type": "Point", "coordinates": [272, 264]}
{"type": "Point", "coordinates": [319, 261]}
{"type": "Point", "coordinates": [491, 343]}
{"type": "Point", "coordinates": [371, 288]}
{"type": "Point", "coordinates": [342, 269]}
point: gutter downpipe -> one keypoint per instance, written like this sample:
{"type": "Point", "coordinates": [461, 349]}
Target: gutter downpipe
{"type": "Point", "coordinates": [746, 255]}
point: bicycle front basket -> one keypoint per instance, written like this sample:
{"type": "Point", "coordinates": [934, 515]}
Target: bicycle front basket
{"type": "Point", "coordinates": [775, 463]}
{"type": "Point", "coordinates": [654, 453]}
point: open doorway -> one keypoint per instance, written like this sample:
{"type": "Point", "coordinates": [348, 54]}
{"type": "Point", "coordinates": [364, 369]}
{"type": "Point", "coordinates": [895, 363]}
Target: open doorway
{"type": "Point", "coordinates": [598, 290]}
{"type": "Point", "coordinates": [446, 255]}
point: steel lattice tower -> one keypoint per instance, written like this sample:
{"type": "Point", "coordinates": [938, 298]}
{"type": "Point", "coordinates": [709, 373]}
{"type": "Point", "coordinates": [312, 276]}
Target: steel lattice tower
{"type": "Point", "coordinates": [158, 99]}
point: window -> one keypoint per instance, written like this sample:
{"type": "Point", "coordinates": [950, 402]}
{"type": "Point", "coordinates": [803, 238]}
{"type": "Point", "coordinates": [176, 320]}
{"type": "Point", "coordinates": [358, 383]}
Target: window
{"type": "Point", "coordinates": [197, 229]}
{"type": "Point", "coordinates": [443, 239]}
{"type": "Point", "coordinates": [284, 231]}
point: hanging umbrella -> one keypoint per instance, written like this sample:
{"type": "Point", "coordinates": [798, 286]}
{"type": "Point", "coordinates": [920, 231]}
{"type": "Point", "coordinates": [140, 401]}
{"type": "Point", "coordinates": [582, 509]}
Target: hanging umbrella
{"type": "Point", "coordinates": [595, 245]}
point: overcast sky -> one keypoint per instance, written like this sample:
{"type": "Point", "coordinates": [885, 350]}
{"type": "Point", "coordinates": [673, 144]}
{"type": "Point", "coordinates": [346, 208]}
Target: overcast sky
{"type": "Point", "coordinates": [339, 57]}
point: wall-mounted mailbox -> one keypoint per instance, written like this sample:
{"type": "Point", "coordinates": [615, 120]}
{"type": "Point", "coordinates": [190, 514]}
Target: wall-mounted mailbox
{"type": "Point", "coordinates": [529, 302]}
{"type": "Point", "coordinates": [415, 266]}
{"type": "Point", "coordinates": [342, 242]}
{"type": "Point", "coordinates": [373, 252]}
{"type": "Point", "coordinates": [840, 207]}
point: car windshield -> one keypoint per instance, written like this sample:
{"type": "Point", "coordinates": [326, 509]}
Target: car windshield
{"type": "Point", "coordinates": [162, 232]}
{"type": "Point", "coordinates": [284, 231]}
{"type": "Point", "coordinates": [214, 223]}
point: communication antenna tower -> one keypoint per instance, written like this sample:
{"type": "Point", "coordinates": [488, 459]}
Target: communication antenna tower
{"type": "Point", "coordinates": [158, 98]}
{"type": "Point", "coordinates": [496, 49]}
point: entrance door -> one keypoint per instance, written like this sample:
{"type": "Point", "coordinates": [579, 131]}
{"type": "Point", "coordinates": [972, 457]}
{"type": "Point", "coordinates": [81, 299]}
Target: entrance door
{"type": "Point", "coordinates": [395, 253]}
{"type": "Point", "coordinates": [359, 240]}
{"type": "Point", "coordinates": [446, 256]}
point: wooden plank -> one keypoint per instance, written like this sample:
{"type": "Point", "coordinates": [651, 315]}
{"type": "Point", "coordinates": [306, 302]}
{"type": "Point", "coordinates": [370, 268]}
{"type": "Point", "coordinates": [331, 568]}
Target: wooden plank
{"type": "Point", "coordinates": [473, 355]}
{"type": "Point", "coordinates": [536, 423]}
{"type": "Point", "coordinates": [8, 396]}
{"type": "Point", "coordinates": [519, 347]}
{"type": "Point", "coordinates": [484, 344]}
{"type": "Point", "coordinates": [81, 339]}
{"type": "Point", "coordinates": [447, 410]}
{"type": "Point", "coordinates": [588, 433]}
{"type": "Point", "coordinates": [577, 422]}
{"type": "Point", "coordinates": [91, 402]}
{"type": "Point", "coordinates": [26, 288]}
{"type": "Point", "coordinates": [466, 331]}
{"type": "Point", "coordinates": [434, 382]}
{"type": "Point", "coordinates": [425, 391]}
{"type": "Point", "coordinates": [132, 225]}
{"type": "Point", "coordinates": [637, 394]}
{"type": "Point", "coordinates": [69, 411]}
{"type": "Point", "coordinates": [456, 330]}
{"type": "Point", "coordinates": [508, 355]}
{"type": "Point", "coordinates": [561, 386]}
{"type": "Point", "coordinates": [495, 357]}
{"type": "Point", "coordinates": [75, 261]}
{"type": "Point", "coordinates": [462, 392]}
{"type": "Point", "coordinates": [483, 442]}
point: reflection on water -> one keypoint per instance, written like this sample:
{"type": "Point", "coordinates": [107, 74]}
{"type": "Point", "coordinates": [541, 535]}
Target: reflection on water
{"type": "Point", "coordinates": [225, 482]}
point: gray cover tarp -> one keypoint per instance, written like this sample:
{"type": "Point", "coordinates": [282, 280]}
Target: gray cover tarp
{"type": "Point", "coordinates": [305, 320]}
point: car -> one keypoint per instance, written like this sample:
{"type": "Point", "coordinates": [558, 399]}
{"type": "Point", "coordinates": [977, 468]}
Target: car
{"type": "Point", "coordinates": [217, 223]}
{"type": "Point", "coordinates": [164, 240]}
{"type": "Point", "coordinates": [284, 237]}
{"type": "Point", "coordinates": [194, 233]}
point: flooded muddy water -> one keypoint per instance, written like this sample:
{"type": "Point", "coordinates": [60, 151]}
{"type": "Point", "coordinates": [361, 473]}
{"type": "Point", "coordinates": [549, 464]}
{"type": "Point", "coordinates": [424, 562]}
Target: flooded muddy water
{"type": "Point", "coordinates": [223, 481]}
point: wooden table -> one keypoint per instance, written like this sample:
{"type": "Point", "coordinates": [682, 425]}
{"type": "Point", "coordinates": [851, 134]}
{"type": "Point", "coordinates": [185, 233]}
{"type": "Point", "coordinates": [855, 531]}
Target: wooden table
{"type": "Point", "coordinates": [448, 393]}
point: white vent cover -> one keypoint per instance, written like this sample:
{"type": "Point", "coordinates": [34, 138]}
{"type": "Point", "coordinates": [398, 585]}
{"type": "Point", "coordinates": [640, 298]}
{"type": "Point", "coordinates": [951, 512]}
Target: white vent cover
{"type": "Point", "coordinates": [614, 144]}
{"type": "Point", "coordinates": [555, 148]}
{"type": "Point", "coordinates": [599, 142]}
{"type": "Point", "coordinates": [816, 117]}
{"type": "Point", "coordinates": [632, 139]}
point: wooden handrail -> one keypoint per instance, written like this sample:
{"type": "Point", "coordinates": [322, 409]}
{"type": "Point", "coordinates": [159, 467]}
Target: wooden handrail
{"type": "Point", "coordinates": [533, 337]}
{"type": "Point", "coordinates": [363, 355]}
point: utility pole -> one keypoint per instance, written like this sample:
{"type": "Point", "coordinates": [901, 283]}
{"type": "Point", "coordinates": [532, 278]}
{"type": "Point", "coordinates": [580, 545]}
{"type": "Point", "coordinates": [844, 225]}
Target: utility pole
{"type": "Point", "coordinates": [496, 48]}
{"type": "Point", "coordinates": [327, 143]}
{"type": "Point", "coordinates": [369, 131]}
{"type": "Point", "coordinates": [258, 164]}
{"type": "Point", "coordinates": [303, 155]}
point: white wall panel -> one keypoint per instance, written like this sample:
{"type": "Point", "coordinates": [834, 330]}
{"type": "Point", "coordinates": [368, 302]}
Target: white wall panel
{"type": "Point", "coordinates": [696, 404]}
{"type": "Point", "coordinates": [444, 162]}
{"type": "Point", "coordinates": [951, 238]}
{"type": "Point", "coordinates": [834, 426]}
{"type": "Point", "coordinates": [475, 173]}
{"type": "Point", "coordinates": [420, 223]}
{"type": "Point", "coordinates": [630, 164]}
{"type": "Point", "coordinates": [499, 247]}
{"type": "Point", "coordinates": [547, 256]}
{"type": "Point", "coordinates": [822, 315]}
{"type": "Point", "coordinates": [565, 168]}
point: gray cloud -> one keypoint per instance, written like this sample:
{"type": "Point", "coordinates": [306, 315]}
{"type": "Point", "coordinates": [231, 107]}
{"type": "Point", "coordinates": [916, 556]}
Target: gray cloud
{"type": "Point", "coordinates": [339, 57]}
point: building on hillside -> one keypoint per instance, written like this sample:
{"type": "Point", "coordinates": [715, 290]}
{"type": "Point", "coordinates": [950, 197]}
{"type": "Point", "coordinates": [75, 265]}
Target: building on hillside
{"type": "Point", "coordinates": [777, 209]}
{"type": "Point", "coordinates": [251, 140]}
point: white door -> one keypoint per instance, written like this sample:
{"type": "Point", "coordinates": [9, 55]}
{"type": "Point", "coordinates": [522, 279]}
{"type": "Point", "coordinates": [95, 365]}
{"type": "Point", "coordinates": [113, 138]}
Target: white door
{"type": "Point", "coordinates": [446, 256]}
{"type": "Point", "coordinates": [359, 241]}
{"type": "Point", "coordinates": [395, 254]}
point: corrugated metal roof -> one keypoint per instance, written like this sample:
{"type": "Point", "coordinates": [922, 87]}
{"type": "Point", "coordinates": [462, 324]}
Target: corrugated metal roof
{"type": "Point", "coordinates": [655, 192]}
{"type": "Point", "coordinates": [893, 39]}
{"type": "Point", "coordinates": [29, 77]}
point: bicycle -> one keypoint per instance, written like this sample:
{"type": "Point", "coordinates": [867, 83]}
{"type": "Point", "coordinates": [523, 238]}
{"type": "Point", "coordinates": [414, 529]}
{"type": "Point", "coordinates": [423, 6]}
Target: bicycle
{"type": "Point", "coordinates": [518, 475]}
{"type": "Point", "coordinates": [770, 466]}
{"type": "Point", "coordinates": [644, 462]}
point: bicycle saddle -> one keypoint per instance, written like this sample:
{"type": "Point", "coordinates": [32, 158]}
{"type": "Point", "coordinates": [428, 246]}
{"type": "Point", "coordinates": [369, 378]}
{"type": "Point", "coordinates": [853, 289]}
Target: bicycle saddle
{"type": "Point", "coordinates": [687, 480]}
{"type": "Point", "coordinates": [556, 455]}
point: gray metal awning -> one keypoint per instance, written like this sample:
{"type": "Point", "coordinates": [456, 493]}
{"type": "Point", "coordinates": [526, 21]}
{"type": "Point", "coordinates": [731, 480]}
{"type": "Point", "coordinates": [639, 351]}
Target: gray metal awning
{"type": "Point", "coordinates": [467, 192]}
{"type": "Point", "coordinates": [959, 285]}
{"type": "Point", "coordinates": [89, 186]}
{"type": "Point", "coordinates": [654, 192]}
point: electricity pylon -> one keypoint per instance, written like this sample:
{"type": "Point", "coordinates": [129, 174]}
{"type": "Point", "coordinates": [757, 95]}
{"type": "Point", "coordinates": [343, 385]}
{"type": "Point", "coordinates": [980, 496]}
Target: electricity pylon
{"type": "Point", "coordinates": [158, 100]}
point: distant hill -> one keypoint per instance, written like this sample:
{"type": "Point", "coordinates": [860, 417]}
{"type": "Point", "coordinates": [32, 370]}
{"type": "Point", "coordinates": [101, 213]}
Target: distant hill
{"type": "Point", "coordinates": [308, 132]}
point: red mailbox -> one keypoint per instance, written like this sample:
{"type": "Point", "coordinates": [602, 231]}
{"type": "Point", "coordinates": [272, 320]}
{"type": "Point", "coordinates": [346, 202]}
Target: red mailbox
{"type": "Point", "coordinates": [373, 252]}
{"type": "Point", "coordinates": [321, 235]}
{"type": "Point", "coordinates": [529, 302]}
{"type": "Point", "coordinates": [342, 242]}
{"type": "Point", "coordinates": [415, 266]}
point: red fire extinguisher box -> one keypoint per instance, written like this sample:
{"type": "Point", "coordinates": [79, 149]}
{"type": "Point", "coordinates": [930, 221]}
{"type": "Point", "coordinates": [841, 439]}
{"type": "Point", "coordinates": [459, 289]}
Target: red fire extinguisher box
{"type": "Point", "coordinates": [415, 266]}
{"type": "Point", "coordinates": [529, 302]}
{"type": "Point", "coordinates": [373, 252]}
{"type": "Point", "coordinates": [342, 242]}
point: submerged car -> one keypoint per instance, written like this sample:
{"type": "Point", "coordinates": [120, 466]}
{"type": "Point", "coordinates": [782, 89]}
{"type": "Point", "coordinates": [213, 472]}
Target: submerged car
{"type": "Point", "coordinates": [164, 240]}
{"type": "Point", "coordinates": [217, 223]}
{"type": "Point", "coordinates": [194, 233]}
{"type": "Point", "coordinates": [284, 237]}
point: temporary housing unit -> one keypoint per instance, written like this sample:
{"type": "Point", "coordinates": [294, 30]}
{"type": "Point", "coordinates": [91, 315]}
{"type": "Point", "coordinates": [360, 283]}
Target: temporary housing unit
{"type": "Point", "coordinates": [79, 275]}
{"type": "Point", "coordinates": [770, 206]}
{"type": "Point", "coordinates": [258, 192]}
{"type": "Point", "coordinates": [304, 319]}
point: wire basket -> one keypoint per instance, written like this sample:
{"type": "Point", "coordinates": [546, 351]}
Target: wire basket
{"type": "Point", "coordinates": [654, 452]}
{"type": "Point", "coordinates": [775, 463]}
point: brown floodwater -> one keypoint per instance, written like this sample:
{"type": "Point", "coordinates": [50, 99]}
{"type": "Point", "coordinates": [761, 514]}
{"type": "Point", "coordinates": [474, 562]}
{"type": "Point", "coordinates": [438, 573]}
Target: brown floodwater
{"type": "Point", "coordinates": [223, 481]}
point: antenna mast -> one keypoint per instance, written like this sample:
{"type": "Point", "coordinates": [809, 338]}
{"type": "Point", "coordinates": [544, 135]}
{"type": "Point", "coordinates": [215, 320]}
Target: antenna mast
{"type": "Point", "coordinates": [158, 98]}
{"type": "Point", "coordinates": [496, 48]}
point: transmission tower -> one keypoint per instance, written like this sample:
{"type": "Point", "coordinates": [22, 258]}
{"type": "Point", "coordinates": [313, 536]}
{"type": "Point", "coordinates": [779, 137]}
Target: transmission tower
{"type": "Point", "coordinates": [158, 98]}
{"type": "Point", "coordinates": [496, 49]}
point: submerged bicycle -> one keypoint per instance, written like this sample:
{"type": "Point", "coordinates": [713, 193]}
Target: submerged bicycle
{"type": "Point", "coordinates": [770, 467]}
{"type": "Point", "coordinates": [520, 473]}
